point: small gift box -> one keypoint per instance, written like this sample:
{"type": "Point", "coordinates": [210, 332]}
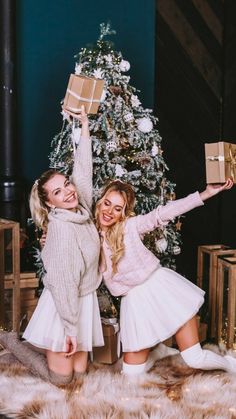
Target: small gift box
{"type": "Point", "coordinates": [110, 352]}
{"type": "Point", "coordinates": [82, 90]}
{"type": "Point", "coordinates": [220, 162]}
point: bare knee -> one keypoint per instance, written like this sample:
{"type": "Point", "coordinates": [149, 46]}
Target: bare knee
{"type": "Point", "coordinates": [138, 357]}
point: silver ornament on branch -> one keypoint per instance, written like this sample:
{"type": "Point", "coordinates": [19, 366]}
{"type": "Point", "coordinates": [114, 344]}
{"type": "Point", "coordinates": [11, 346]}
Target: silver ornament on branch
{"type": "Point", "coordinates": [111, 146]}
{"type": "Point", "coordinates": [135, 102]}
{"type": "Point", "coordinates": [144, 125]}
{"type": "Point", "coordinates": [161, 245]}
{"type": "Point", "coordinates": [78, 69]}
{"type": "Point", "coordinates": [98, 73]}
{"type": "Point", "coordinates": [155, 150]}
{"type": "Point", "coordinates": [119, 170]}
{"type": "Point", "coordinates": [124, 65]}
{"type": "Point", "coordinates": [76, 132]}
{"type": "Point", "coordinates": [128, 117]}
{"type": "Point", "coordinates": [176, 250]}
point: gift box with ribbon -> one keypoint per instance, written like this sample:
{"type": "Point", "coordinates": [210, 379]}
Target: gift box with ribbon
{"type": "Point", "coordinates": [220, 162]}
{"type": "Point", "coordinates": [82, 90]}
{"type": "Point", "coordinates": [110, 352]}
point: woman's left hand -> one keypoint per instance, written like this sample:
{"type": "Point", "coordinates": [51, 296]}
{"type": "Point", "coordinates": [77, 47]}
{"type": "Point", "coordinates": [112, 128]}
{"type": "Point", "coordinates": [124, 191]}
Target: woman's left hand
{"type": "Point", "coordinates": [81, 115]}
{"type": "Point", "coordinates": [215, 188]}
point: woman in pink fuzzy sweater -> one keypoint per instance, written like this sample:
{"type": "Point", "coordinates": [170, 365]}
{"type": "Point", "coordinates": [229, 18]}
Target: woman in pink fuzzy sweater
{"type": "Point", "coordinates": [157, 302]}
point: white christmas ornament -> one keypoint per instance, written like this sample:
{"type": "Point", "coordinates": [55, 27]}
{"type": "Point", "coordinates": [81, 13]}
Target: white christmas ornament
{"type": "Point", "coordinates": [65, 116]}
{"type": "Point", "coordinates": [128, 117]}
{"type": "Point", "coordinates": [111, 146]}
{"type": "Point", "coordinates": [161, 245]}
{"type": "Point", "coordinates": [98, 73]}
{"type": "Point", "coordinates": [176, 250]}
{"type": "Point", "coordinates": [76, 135]}
{"type": "Point", "coordinates": [135, 102]}
{"type": "Point", "coordinates": [78, 69]}
{"type": "Point", "coordinates": [108, 59]}
{"type": "Point", "coordinates": [155, 150]}
{"type": "Point", "coordinates": [144, 124]}
{"type": "Point", "coordinates": [124, 65]}
{"type": "Point", "coordinates": [119, 171]}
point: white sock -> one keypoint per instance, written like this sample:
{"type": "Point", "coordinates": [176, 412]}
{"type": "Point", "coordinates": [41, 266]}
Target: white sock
{"type": "Point", "coordinates": [133, 369]}
{"type": "Point", "coordinates": [196, 357]}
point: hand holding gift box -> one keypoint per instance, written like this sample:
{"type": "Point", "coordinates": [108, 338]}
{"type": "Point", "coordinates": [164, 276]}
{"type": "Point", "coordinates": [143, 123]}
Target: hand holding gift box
{"type": "Point", "coordinates": [220, 162]}
{"type": "Point", "coordinates": [82, 90]}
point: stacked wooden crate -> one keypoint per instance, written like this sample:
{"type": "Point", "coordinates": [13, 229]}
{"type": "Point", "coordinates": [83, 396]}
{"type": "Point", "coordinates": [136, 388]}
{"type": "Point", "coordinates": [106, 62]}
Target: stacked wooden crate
{"type": "Point", "coordinates": [28, 298]}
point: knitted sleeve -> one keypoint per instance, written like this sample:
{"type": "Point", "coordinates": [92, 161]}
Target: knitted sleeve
{"type": "Point", "coordinates": [82, 175]}
{"type": "Point", "coordinates": [163, 214]}
{"type": "Point", "coordinates": [64, 267]}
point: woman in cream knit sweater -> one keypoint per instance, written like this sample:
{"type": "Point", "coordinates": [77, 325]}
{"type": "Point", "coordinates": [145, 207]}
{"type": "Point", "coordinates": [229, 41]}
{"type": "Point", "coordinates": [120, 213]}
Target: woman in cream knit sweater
{"type": "Point", "coordinates": [66, 322]}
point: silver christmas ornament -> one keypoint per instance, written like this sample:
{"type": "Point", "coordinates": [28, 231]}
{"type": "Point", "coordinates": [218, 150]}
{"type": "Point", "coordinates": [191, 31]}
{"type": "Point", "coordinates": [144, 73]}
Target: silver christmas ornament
{"type": "Point", "coordinates": [176, 250]}
{"type": "Point", "coordinates": [161, 245]}
{"type": "Point", "coordinates": [128, 117]}
{"type": "Point", "coordinates": [111, 146]}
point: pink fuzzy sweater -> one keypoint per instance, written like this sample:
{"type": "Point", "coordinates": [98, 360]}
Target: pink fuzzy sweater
{"type": "Point", "coordinates": [138, 262]}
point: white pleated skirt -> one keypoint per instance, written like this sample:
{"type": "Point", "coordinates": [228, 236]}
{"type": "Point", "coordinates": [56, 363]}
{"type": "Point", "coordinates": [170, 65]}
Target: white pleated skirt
{"type": "Point", "coordinates": [155, 310]}
{"type": "Point", "coordinates": [45, 328]}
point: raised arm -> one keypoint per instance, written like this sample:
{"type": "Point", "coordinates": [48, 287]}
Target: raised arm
{"type": "Point", "coordinates": [82, 175]}
{"type": "Point", "coordinates": [163, 214]}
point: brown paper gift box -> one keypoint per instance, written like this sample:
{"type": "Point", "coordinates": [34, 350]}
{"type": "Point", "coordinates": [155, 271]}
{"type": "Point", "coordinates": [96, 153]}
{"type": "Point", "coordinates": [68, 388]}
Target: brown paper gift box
{"type": "Point", "coordinates": [220, 162]}
{"type": "Point", "coordinates": [107, 354]}
{"type": "Point", "coordinates": [82, 90]}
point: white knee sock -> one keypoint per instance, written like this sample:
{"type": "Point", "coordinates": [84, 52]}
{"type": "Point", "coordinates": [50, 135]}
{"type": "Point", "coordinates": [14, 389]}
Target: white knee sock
{"type": "Point", "coordinates": [133, 369]}
{"type": "Point", "coordinates": [196, 357]}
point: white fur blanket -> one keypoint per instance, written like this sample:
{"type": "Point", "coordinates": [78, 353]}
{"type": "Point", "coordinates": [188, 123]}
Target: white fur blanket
{"type": "Point", "coordinates": [170, 391]}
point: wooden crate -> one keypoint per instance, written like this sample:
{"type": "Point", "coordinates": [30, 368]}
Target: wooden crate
{"type": "Point", "coordinates": [10, 260]}
{"type": "Point", "coordinates": [226, 301]}
{"type": "Point", "coordinates": [207, 272]}
{"type": "Point", "coordinates": [28, 298]}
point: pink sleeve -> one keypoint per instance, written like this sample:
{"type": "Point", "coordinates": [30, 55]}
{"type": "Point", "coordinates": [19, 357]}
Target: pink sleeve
{"type": "Point", "coordinates": [163, 214]}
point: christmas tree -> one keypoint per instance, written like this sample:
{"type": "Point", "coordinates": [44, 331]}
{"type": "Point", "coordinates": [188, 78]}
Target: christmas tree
{"type": "Point", "coordinates": [126, 141]}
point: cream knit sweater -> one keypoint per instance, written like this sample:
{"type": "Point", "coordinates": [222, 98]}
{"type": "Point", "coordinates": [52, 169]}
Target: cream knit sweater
{"type": "Point", "coordinates": [71, 251]}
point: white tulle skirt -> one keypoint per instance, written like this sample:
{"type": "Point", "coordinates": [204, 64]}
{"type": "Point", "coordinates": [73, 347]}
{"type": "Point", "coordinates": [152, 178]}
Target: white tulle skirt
{"type": "Point", "coordinates": [45, 329]}
{"type": "Point", "coordinates": [155, 310]}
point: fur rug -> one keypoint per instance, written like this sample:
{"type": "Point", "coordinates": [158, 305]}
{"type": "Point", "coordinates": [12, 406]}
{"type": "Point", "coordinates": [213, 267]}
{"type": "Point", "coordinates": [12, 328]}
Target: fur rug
{"type": "Point", "coordinates": [169, 391]}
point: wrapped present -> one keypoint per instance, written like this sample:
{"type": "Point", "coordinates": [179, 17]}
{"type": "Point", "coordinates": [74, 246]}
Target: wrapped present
{"type": "Point", "coordinates": [82, 90]}
{"type": "Point", "coordinates": [110, 352]}
{"type": "Point", "coordinates": [220, 162]}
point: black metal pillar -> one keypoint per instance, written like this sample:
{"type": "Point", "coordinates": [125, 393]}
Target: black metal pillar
{"type": "Point", "coordinates": [11, 186]}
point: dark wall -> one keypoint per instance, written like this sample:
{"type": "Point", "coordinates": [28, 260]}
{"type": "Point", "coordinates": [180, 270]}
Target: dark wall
{"type": "Point", "coordinates": [50, 33]}
{"type": "Point", "coordinates": [195, 101]}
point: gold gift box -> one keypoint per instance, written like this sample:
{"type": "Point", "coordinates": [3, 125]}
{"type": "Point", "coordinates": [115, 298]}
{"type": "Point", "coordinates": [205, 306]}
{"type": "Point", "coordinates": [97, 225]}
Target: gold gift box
{"type": "Point", "coordinates": [82, 90]}
{"type": "Point", "coordinates": [107, 354]}
{"type": "Point", "coordinates": [220, 162]}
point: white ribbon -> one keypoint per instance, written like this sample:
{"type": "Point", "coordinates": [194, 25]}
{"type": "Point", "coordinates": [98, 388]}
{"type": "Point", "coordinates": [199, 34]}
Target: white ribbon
{"type": "Point", "coordinates": [215, 158]}
{"type": "Point", "coordinates": [83, 98]}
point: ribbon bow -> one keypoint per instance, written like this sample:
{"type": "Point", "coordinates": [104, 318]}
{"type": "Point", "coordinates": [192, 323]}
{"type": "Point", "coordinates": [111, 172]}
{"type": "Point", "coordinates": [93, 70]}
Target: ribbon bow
{"type": "Point", "coordinates": [232, 161]}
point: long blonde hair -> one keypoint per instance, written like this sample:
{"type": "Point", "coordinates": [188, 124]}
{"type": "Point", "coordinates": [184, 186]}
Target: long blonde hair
{"type": "Point", "coordinates": [38, 198]}
{"type": "Point", "coordinates": [115, 233]}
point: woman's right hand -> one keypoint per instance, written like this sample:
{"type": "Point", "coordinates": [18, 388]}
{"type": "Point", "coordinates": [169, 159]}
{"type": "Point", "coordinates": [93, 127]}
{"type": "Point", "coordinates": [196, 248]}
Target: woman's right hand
{"type": "Point", "coordinates": [71, 346]}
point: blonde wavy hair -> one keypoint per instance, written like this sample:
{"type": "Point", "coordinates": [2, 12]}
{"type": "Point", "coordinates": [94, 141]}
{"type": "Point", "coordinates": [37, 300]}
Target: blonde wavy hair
{"type": "Point", "coordinates": [38, 198]}
{"type": "Point", "coordinates": [115, 233]}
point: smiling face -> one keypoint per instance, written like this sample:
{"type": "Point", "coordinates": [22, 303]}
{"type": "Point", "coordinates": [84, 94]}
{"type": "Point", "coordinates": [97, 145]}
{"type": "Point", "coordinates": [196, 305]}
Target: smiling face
{"type": "Point", "coordinates": [111, 209]}
{"type": "Point", "coordinates": [61, 193]}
